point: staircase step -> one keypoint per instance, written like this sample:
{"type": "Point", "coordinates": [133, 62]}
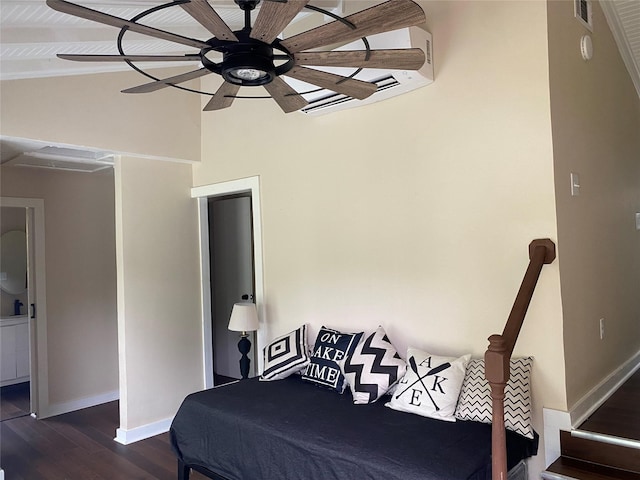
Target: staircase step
{"type": "Point", "coordinates": [595, 452]}
{"type": "Point", "coordinates": [572, 469]}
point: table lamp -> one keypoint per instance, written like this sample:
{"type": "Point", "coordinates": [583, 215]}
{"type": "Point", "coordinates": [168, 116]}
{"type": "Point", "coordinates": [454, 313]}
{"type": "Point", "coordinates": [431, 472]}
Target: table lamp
{"type": "Point", "coordinates": [244, 318]}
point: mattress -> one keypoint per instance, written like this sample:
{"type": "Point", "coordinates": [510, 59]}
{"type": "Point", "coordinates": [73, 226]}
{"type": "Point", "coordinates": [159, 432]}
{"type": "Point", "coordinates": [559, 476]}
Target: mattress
{"type": "Point", "coordinates": [290, 429]}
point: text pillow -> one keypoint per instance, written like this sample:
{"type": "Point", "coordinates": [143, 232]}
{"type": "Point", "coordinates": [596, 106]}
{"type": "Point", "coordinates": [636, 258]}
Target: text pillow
{"type": "Point", "coordinates": [286, 355]}
{"type": "Point", "coordinates": [475, 398]}
{"type": "Point", "coordinates": [431, 385]}
{"type": "Point", "coordinates": [373, 368]}
{"type": "Point", "coordinates": [330, 348]}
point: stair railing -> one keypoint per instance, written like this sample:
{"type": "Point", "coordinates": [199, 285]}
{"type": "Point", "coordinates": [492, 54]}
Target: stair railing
{"type": "Point", "coordinates": [498, 354]}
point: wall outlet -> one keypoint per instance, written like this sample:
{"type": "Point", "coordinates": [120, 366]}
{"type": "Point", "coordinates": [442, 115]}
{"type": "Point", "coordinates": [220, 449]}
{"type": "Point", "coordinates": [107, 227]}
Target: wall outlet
{"type": "Point", "coordinates": [575, 184]}
{"type": "Point", "coordinates": [601, 328]}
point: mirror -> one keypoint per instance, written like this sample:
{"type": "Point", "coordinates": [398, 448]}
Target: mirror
{"type": "Point", "coordinates": [13, 262]}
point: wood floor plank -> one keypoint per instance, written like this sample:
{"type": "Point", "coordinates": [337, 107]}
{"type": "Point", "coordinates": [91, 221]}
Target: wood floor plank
{"type": "Point", "coordinates": [80, 446]}
{"type": "Point", "coordinates": [618, 416]}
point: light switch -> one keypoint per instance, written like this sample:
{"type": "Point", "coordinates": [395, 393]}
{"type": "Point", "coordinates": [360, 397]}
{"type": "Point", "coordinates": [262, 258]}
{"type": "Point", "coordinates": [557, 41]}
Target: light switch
{"type": "Point", "coordinates": [575, 185]}
{"type": "Point", "coordinates": [637, 220]}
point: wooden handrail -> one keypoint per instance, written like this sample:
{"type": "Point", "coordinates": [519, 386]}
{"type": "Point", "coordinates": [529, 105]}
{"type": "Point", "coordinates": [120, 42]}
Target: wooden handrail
{"type": "Point", "coordinates": [498, 355]}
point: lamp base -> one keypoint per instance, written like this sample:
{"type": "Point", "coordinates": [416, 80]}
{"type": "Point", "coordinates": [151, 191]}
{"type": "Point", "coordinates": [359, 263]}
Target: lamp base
{"type": "Point", "coordinates": [244, 346]}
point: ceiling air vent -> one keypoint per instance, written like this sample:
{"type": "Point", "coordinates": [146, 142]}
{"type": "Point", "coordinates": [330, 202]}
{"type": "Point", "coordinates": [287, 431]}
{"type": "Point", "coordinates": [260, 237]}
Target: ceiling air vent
{"type": "Point", "coordinates": [69, 159]}
{"type": "Point", "coordinates": [336, 99]}
{"type": "Point", "coordinates": [583, 11]}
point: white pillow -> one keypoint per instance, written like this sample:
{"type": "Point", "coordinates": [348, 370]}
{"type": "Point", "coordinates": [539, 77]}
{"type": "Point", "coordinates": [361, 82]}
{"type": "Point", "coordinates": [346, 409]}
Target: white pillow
{"type": "Point", "coordinates": [475, 398]}
{"type": "Point", "coordinates": [286, 355]}
{"type": "Point", "coordinates": [373, 368]}
{"type": "Point", "coordinates": [431, 385]}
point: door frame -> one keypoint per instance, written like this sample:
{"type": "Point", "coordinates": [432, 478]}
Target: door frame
{"type": "Point", "coordinates": [38, 326]}
{"type": "Point", "coordinates": [250, 185]}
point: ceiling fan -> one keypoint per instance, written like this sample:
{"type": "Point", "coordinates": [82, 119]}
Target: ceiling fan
{"type": "Point", "coordinates": [255, 56]}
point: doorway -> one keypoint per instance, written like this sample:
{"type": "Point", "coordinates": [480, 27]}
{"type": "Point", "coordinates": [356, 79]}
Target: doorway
{"type": "Point", "coordinates": [23, 323]}
{"type": "Point", "coordinates": [231, 266]}
{"type": "Point", "coordinates": [232, 278]}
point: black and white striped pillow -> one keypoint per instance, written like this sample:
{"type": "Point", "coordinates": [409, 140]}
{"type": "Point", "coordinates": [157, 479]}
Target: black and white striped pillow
{"type": "Point", "coordinates": [286, 355]}
{"type": "Point", "coordinates": [373, 368]}
{"type": "Point", "coordinates": [475, 397]}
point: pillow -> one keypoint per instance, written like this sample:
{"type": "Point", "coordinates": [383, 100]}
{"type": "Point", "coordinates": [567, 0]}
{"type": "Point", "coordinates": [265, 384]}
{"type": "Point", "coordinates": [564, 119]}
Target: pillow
{"type": "Point", "coordinates": [286, 355]}
{"type": "Point", "coordinates": [475, 398]}
{"type": "Point", "coordinates": [373, 368]}
{"type": "Point", "coordinates": [431, 385]}
{"type": "Point", "coordinates": [330, 348]}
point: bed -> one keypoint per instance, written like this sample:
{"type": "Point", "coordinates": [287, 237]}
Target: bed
{"type": "Point", "coordinates": [290, 429]}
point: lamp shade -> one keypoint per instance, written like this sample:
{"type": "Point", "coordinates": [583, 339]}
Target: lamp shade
{"type": "Point", "coordinates": [244, 317]}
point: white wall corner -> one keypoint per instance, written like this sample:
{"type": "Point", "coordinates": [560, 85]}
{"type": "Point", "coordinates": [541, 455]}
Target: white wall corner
{"type": "Point", "coordinates": [554, 421]}
{"type": "Point", "coordinates": [79, 404]}
{"type": "Point", "coordinates": [601, 392]}
{"type": "Point", "coordinates": [126, 437]}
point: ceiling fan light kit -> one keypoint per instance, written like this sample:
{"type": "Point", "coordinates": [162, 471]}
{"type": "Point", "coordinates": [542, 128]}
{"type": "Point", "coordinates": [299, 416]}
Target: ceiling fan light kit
{"type": "Point", "coordinates": [255, 56]}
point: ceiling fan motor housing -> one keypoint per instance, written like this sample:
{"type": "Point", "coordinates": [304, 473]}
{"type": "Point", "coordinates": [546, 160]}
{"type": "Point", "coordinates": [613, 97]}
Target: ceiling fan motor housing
{"type": "Point", "coordinates": [248, 64]}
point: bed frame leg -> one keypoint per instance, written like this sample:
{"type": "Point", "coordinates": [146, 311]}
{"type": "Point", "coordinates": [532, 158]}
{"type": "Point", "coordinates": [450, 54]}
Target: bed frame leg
{"type": "Point", "coordinates": [183, 470]}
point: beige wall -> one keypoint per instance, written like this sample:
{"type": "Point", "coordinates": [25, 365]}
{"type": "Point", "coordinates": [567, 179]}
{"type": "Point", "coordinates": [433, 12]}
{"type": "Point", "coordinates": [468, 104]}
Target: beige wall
{"type": "Point", "coordinates": [80, 278]}
{"type": "Point", "coordinates": [596, 133]}
{"type": "Point", "coordinates": [158, 229]}
{"type": "Point", "coordinates": [159, 319]}
{"type": "Point", "coordinates": [414, 213]}
{"type": "Point", "coordinates": [90, 111]}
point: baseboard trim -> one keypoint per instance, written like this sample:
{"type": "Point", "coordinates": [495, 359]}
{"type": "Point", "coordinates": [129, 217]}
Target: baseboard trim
{"type": "Point", "coordinates": [79, 404]}
{"type": "Point", "coordinates": [601, 392]}
{"type": "Point", "coordinates": [126, 437]}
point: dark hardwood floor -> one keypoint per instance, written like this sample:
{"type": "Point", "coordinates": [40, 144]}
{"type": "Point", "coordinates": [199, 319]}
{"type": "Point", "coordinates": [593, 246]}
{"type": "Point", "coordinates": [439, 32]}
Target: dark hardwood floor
{"type": "Point", "coordinates": [14, 401]}
{"type": "Point", "coordinates": [80, 446]}
{"type": "Point", "coordinates": [620, 414]}
{"type": "Point", "coordinates": [592, 459]}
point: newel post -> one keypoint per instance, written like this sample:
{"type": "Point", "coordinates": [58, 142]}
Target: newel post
{"type": "Point", "coordinates": [498, 355]}
{"type": "Point", "coordinates": [496, 361]}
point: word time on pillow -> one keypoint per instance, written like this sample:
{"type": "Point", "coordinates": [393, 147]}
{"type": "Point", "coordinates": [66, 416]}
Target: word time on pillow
{"type": "Point", "coordinates": [286, 355]}
{"type": "Point", "coordinates": [431, 385]}
{"type": "Point", "coordinates": [330, 348]}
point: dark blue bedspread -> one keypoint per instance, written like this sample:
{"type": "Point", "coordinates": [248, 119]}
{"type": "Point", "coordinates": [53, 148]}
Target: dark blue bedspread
{"type": "Point", "coordinates": [292, 430]}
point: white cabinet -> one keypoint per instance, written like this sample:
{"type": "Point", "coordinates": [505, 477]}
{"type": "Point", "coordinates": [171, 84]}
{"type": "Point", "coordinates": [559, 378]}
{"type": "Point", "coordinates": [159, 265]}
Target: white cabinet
{"type": "Point", "coordinates": [14, 350]}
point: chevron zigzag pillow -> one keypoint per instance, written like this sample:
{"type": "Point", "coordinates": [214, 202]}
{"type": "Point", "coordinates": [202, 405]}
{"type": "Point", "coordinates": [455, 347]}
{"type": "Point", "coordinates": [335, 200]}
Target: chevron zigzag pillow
{"type": "Point", "coordinates": [373, 368]}
{"type": "Point", "coordinates": [475, 397]}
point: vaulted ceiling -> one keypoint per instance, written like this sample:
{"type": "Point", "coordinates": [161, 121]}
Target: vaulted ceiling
{"type": "Point", "coordinates": [32, 34]}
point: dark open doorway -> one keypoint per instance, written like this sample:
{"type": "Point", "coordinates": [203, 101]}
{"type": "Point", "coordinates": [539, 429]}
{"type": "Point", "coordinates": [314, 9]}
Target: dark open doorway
{"type": "Point", "coordinates": [232, 276]}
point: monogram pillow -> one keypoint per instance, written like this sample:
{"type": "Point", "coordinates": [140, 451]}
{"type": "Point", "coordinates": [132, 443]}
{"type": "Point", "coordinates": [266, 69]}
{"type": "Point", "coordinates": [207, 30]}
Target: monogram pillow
{"type": "Point", "coordinates": [431, 385]}
{"type": "Point", "coordinates": [330, 348]}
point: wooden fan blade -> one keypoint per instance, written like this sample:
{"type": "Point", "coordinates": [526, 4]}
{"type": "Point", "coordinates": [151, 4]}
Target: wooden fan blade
{"type": "Point", "coordinates": [401, 59]}
{"type": "Point", "coordinates": [385, 17]}
{"type": "Point", "coordinates": [167, 82]}
{"type": "Point", "coordinates": [131, 58]}
{"type": "Point", "coordinates": [274, 17]}
{"type": "Point", "coordinates": [223, 98]}
{"type": "Point", "coordinates": [288, 99]}
{"type": "Point", "coordinates": [347, 86]}
{"type": "Point", "coordinates": [96, 16]}
{"type": "Point", "coordinates": [202, 12]}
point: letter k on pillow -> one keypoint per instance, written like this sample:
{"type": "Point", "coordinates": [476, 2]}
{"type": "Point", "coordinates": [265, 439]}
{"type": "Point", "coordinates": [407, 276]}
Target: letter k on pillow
{"type": "Point", "coordinates": [431, 385]}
